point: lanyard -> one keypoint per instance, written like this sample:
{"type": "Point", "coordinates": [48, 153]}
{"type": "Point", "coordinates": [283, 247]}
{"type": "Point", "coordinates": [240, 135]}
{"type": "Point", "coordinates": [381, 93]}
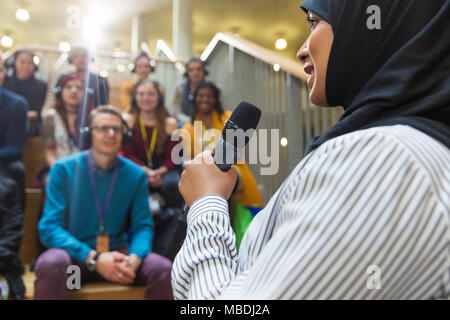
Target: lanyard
{"type": "Point", "coordinates": [101, 213]}
{"type": "Point", "coordinates": [148, 151]}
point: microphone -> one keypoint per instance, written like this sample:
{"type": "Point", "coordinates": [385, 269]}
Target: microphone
{"type": "Point", "coordinates": [244, 118]}
{"type": "Point", "coordinates": [236, 134]}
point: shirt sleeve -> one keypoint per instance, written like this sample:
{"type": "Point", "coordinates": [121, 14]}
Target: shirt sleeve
{"type": "Point", "coordinates": [207, 261]}
{"type": "Point", "coordinates": [141, 221]}
{"type": "Point", "coordinates": [15, 134]}
{"type": "Point", "coordinates": [40, 102]}
{"type": "Point", "coordinates": [52, 226]}
{"type": "Point", "coordinates": [357, 220]}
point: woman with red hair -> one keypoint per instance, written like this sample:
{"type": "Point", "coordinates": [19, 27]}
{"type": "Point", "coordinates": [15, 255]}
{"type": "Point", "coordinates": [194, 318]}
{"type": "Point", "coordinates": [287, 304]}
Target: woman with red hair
{"type": "Point", "coordinates": [62, 123]}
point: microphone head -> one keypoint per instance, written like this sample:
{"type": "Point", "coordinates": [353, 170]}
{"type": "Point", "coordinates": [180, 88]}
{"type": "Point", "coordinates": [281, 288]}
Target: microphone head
{"type": "Point", "coordinates": [246, 116]}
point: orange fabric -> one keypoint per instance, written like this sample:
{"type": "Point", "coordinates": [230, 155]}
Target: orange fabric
{"type": "Point", "coordinates": [196, 142]}
{"type": "Point", "coordinates": [125, 96]}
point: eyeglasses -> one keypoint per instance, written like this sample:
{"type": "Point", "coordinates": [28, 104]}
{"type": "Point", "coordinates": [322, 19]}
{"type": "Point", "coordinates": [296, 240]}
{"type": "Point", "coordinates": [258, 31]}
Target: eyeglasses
{"type": "Point", "coordinates": [107, 129]}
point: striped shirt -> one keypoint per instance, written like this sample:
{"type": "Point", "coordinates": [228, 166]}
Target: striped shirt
{"type": "Point", "coordinates": [365, 216]}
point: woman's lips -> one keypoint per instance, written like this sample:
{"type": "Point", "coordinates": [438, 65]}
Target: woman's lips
{"type": "Point", "coordinates": [308, 69]}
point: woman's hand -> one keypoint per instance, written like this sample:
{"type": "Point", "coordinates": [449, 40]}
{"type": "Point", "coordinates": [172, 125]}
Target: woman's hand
{"type": "Point", "coordinates": [202, 177]}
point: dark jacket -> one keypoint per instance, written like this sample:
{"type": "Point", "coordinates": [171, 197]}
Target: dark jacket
{"type": "Point", "coordinates": [11, 233]}
{"type": "Point", "coordinates": [13, 117]}
{"type": "Point", "coordinates": [33, 90]}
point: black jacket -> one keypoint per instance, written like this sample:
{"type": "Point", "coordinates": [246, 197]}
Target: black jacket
{"type": "Point", "coordinates": [11, 233]}
{"type": "Point", "coordinates": [33, 90]}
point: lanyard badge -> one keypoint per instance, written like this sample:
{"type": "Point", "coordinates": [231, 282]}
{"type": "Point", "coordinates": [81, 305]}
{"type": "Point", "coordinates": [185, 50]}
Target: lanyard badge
{"type": "Point", "coordinates": [102, 236]}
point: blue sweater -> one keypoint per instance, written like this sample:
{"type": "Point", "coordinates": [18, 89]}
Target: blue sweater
{"type": "Point", "coordinates": [70, 220]}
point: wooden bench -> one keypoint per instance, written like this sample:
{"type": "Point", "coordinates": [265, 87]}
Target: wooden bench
{"type": "Point", "coordinates": [33, 159]}
{"type": "Point", "coordinates": [91, 291]}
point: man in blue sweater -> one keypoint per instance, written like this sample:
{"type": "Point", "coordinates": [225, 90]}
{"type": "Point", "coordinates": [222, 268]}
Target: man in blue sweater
{"type": "Point", "coordinates": [93, 199]}
{"type": "Point", "coordinates": [13, 117]}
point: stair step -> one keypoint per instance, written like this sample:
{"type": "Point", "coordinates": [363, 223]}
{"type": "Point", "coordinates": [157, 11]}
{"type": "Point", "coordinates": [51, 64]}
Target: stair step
{"type": "Point", "coordinates": [101, 290]}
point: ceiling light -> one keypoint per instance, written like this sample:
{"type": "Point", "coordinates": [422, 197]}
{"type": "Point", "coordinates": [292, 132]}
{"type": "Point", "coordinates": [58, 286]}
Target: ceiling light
{"type": "Point", "coordinates": [121, 68]}
{"type": "Point", "coordinates": [281, 44]}
{"type": "Point", "coordinates": [7, 41]}
{"type": "Point", "coordinates": [276, 67]}
{"type": "Point", "coordinates": [22, 15]}
{"type": "Point", "coordinates": [64, 46]}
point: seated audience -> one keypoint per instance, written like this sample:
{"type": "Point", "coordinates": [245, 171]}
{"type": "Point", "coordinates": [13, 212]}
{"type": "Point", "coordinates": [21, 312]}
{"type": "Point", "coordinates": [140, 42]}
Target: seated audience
{"type": "Point", "coordinates": [13, 116]}
{"type": "Point", "coordinates": [151, 147]}
{"type": "Point", "coordinates": [196, 71]}
{"type": "Point", "coordinates": [143, 67]}
{"type": "Point", "coordinates": [94, 198]}
{"type": "Point", "coordinates": [22, 81]}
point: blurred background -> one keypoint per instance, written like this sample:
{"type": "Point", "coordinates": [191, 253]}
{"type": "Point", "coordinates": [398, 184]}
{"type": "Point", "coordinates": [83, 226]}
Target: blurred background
{"type": "Point", "coordinates": [249, 46]}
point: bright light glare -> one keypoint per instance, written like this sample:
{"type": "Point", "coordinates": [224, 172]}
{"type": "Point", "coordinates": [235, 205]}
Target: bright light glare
{"type": "Point", "coordinates": [91, 32]}
{"type": "Point", "coordinates": [280, 44]}
{"type": "Point", "coordinates": [22, 15]}
{"type": "Point", "coordinates": [36, 60]}
{"type": "Point", "coordinates": [7, 41]}
{"type": "Point", "coordinates": [64, 46]}
{"type": "Point", "coordinates": [284, 142]}
{"type": "Point", "coordinates": [121, 68]}
{"type": "Point", "coordinates": [276, 67]}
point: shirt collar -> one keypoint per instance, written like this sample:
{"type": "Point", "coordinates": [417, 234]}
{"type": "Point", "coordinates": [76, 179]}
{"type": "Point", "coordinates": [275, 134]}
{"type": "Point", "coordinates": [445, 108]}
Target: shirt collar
{"type": "Point", "coordinates": [96, 167]}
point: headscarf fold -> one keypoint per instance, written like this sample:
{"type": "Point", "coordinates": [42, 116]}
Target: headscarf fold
{"type": "Point", "coordinates": [398, 74]}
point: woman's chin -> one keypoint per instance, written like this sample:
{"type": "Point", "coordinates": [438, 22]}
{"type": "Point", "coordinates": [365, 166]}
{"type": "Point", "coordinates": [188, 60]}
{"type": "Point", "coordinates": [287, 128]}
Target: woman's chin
{"type": "Point", "coordinates": [317, 99]}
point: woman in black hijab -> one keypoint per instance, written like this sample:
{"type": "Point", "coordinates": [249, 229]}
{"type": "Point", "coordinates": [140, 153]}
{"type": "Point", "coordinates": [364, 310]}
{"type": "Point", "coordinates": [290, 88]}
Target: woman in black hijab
{"type": "Point", "coordinates": [365, 215]}
{"type": "Point", "coordinates": [397, 74]}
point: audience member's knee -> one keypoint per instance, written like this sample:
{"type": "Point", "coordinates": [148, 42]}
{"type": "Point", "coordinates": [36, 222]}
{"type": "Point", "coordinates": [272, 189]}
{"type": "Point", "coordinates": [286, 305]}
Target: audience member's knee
{"type": "Point", "coordinates": [53, 259]}
{"type": "Point", "coordinates": [16, 169]}
{"type": "Point", "coordinates": [160, 264]}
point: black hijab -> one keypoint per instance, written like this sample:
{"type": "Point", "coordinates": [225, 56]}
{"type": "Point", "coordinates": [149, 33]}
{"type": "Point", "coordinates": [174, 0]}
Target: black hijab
{"type": "Point", "coordinates": [399, 74]}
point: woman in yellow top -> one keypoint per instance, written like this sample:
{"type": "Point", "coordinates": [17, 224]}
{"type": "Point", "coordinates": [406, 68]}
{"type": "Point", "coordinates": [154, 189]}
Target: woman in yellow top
{"type": "Point", "coordinates": [208, 109]}
{"type": "Point", "coordinates": [143, 67]}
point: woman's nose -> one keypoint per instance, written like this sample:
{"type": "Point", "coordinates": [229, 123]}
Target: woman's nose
{"type": "Point", "coordinates": [302, 53]}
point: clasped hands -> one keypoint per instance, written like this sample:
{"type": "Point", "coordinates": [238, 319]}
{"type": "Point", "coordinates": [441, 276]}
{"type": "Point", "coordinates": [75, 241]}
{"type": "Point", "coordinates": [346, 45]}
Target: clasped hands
{"type": "Point", "coordinates": [118, 267]}
{"type": "Point", "coordinates": [154, 177]}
